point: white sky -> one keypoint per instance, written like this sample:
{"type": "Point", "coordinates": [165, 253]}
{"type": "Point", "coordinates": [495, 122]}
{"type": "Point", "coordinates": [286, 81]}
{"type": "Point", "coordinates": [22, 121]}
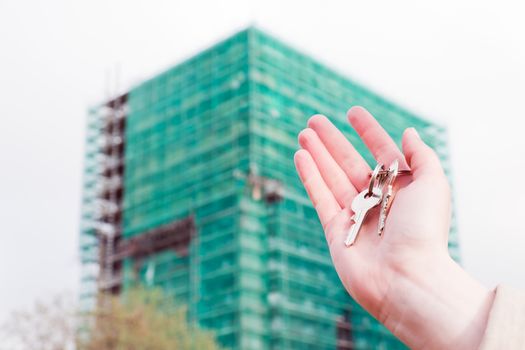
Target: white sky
{"type": "Point", "coordinates": [460, 63]}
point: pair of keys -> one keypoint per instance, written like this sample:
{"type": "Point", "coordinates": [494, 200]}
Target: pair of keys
{"type": "Point", "coordinates": [380, 191]}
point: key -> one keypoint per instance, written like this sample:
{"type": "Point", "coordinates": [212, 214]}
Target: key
{"type": "Point", "coordinates": [385, 204]}
{"type": "Point", "coordinates": [361, 205]}
{"type": "Point", "coordinates": [393, 171]}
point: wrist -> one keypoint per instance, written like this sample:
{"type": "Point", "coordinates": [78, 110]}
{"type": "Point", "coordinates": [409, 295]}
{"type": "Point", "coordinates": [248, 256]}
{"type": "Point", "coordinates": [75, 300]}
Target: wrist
{"type": "Point", "coordinates": [435, 304]}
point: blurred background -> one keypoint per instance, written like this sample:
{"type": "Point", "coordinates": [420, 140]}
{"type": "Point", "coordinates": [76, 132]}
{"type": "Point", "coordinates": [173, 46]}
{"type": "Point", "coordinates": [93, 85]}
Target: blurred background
{"type": "Point", "coordinates": [458, 64]}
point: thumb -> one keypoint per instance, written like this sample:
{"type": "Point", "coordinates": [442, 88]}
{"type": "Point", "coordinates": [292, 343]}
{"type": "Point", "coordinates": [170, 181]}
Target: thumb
{"type": "Point", "coordinates": [422, 159]}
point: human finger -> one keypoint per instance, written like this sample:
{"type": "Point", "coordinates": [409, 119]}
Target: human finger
{"type": "Point", "coordinates": [342, 151]}
{"type": "Point", "coordinates": [336, 179]}
{"type": "Point", "coordinates": [322, 198]}
{"type": "Point", "coordinates": [383, 148]}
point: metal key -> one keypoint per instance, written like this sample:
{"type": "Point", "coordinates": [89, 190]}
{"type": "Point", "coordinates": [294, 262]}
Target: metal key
{"type": "Point", "coordinates": [361, 205]}
{"type": "Point", "coordinates": [388, 197]}
{"type": "Point", "coordinates": [384, 209]}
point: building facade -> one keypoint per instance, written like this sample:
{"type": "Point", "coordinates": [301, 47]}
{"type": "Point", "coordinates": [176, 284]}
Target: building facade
{"type": "Point", "coordinates": [190, 185]}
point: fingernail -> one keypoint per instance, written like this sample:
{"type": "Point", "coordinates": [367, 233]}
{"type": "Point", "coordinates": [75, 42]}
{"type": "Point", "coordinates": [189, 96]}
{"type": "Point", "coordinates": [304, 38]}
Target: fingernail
{"type": "Point", "coordinates": [415, 132]}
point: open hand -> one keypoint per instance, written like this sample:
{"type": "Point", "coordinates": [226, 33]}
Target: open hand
{"type": "Point", "coordinates": [379, 272]}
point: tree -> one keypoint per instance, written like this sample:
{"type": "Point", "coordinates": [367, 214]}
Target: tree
{"type": "Point", "coordinates": [48, 326]}
{"type": "Point", "coordinates": [139, 319]}
{"type": "Point", "coordinates": [144, 319]}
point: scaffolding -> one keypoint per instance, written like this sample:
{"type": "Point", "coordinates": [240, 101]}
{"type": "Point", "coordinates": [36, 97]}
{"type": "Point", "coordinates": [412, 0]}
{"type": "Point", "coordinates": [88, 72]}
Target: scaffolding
{"type": "Point", "coordinates": [101, 225]}
{"type": "Point", "coordinates": [208, 206]}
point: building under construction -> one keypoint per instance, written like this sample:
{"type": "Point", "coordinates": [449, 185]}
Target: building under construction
{"type": "Point", "coordinates": [190, 185]}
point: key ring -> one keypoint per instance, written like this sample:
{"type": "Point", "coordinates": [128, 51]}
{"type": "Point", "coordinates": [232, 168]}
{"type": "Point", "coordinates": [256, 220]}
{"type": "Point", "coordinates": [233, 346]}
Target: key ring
{"type": "Point", "coordinates": [374, 175]}
{"type": "Point", "coordinates": [399, 172]}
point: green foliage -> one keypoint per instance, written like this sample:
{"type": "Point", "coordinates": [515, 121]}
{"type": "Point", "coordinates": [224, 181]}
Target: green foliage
{"type": "Point", "coordinates": [143, 319]}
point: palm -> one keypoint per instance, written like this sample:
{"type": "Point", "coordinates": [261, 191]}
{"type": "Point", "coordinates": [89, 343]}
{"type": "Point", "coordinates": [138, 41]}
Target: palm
{"type": "Point", "coordinates": [417, 225]}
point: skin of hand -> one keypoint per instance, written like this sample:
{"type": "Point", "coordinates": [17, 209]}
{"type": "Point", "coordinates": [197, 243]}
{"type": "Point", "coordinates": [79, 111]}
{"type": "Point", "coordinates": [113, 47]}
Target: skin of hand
{"type": "Point", "coordinates": [406, 278]}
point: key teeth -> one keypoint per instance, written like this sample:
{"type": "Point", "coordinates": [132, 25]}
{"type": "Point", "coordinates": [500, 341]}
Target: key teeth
{"type": "Point", "coordinates": [381, 225]}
